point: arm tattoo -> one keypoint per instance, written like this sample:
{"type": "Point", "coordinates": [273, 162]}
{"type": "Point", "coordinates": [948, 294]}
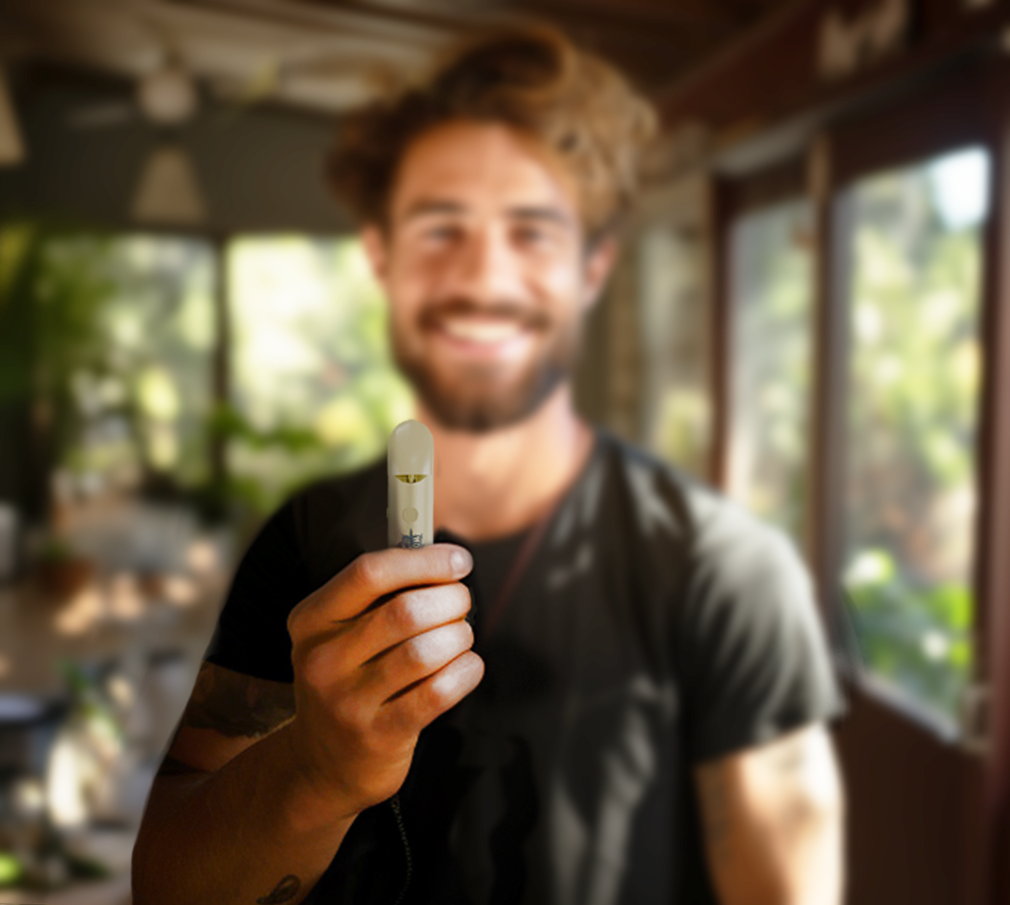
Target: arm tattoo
{"type": "Point", "coordinates": [237, 706]}
{"type": "Point", "coordinates": [284, 891]}
{"type": "Point", "coordinates": [715, 810]}
{"type": "Point", "coordinates": [796, 810]}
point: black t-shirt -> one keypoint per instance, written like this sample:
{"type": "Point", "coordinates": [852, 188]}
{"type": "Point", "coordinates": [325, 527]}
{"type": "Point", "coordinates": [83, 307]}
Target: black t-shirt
{"type": "Point", "coordinates": [656, 626]}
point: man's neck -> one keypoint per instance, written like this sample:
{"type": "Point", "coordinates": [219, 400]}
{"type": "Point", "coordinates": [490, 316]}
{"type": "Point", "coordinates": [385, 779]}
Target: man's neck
{"type": "Point", "coordinates": [495, 484]}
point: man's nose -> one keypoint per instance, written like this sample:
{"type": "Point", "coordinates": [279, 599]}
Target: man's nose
{"type": "Point", "coordinates": [487, 269]}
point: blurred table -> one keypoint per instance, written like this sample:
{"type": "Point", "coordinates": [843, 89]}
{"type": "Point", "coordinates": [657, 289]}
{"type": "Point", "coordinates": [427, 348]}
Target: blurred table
{"type": "Point", "coordinates": [113, 848]}
{"type": "Point", "coordinates": [152, 629]}
{"type": "Point", "coordinates": [96, 892]}
{"type": "Point", "coordinates": [108, 618]}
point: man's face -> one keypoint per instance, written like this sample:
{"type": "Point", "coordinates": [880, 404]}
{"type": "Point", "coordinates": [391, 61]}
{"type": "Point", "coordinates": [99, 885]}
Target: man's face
{"type": "Point", "coordinates": [485, 267]}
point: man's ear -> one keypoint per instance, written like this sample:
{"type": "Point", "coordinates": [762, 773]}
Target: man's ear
{"type": "Point", "coordinates": [374, 241]}
{"type": "Point", "coordinates": [599, 262]}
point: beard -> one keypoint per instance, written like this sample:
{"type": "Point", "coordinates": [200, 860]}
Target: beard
{"type": "Point", "coordinates": [479, 398]}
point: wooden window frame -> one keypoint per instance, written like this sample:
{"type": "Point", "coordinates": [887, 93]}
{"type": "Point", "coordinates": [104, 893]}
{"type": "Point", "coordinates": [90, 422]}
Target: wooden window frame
{"type": "Point", "coordinates": [967, 113]}
{"type": "Point", "coordinates": [972, 107]}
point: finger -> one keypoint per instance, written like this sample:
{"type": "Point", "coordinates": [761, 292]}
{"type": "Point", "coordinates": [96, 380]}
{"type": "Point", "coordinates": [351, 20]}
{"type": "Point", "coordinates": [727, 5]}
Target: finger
{"type": "Point", "coordinates": [414, 660]}
{"type": "Point", "coordinates": [372, 575]}
{"type": "Point", "coordinates": [336, 653]}
{"type": "Point", "coordinates": [417, 706]}
{"type": "Point", "coordinates": [406, 615]}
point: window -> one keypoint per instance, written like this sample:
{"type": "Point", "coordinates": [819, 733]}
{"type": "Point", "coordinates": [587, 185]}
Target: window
{"type": "Point", "coordinates": [143, 400]}
{"type": "Point", "coordinates": [676, 391]}
{"type": "Point", "coordinates": [314, 391]}
{"type": "Point", "coordinates": [771, 282]}
{"type": "Point", "coordinates": [913, 239]}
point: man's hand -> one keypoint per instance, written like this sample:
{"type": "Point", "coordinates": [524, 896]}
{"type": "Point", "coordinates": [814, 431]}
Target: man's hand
{"type": "Point", "coordinates": [263, 780]}
{"type": "Point", "coordinates": [369, 678]}
{"type": "Point", "coordinates": [773, 822]}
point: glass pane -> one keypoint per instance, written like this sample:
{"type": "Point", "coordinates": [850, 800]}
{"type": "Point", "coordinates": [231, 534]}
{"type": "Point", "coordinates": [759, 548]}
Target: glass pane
{"type": "Point", "coordinates": [916, 254]}
{"type": "Point", "coordinates": [314, 390]}
{"type": "Point", "coordinates": [674, 314]}
{"type": "Point", "coordinates": [144, 408]}
{"type": "Point", "coordinates": [771, 283]}
{"type": "Point", "coordinates": [164, 324]}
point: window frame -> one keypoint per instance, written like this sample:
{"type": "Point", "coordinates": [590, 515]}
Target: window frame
{"type": "Point", "coordinates": [218, 242]}
{"type": "Point", "coordinates": [929, 119]}
{"type": "Point", "coordinates": [962, 104]}
{"type": "Point", "coordinates": [934, 123]}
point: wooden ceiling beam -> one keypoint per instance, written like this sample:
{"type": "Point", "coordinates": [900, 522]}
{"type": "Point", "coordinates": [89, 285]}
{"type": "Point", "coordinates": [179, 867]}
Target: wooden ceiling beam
{"type": "Point", "coordinates": [647, 14]}
{"type": "Point", "coordinates": [407, 26]}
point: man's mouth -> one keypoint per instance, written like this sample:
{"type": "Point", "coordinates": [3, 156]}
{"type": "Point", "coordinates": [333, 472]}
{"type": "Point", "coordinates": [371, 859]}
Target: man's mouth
{"type": "Point", "coordinates": [481, 331]}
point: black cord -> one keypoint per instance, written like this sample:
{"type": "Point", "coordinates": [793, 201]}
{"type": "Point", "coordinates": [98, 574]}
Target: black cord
{"type": "Point", "coordinates": [394, 803]}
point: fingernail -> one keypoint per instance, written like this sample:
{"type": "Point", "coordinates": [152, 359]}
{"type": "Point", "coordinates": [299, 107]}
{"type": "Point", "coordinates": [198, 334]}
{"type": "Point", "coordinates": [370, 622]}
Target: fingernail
{"type": "Point", "coordinates": [461, 561]}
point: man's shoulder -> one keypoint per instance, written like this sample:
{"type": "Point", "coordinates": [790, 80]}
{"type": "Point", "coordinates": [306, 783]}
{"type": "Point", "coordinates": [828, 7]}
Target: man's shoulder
{"type": "Point", "coordinates": [656, 486]}
{"type": "Point", "coordinates": [666, 500]}
{"type": "Point", "coordinates": [640, 467]}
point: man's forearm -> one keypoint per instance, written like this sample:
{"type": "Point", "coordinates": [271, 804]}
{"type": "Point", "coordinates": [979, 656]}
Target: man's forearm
{"type": "Point", "coordinates": [251, 833]}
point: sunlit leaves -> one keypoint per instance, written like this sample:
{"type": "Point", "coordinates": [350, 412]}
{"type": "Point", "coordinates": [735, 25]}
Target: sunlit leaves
{"type": "Point", "coordinates": [310, 353]}
{"type": "Point", "coordinates": [914, 374]}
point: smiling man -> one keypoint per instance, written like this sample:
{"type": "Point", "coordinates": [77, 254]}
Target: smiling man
{"type": "Point", "coordinates": [636, 714]}
{"type": "Point", "coordinates": [487, 355]}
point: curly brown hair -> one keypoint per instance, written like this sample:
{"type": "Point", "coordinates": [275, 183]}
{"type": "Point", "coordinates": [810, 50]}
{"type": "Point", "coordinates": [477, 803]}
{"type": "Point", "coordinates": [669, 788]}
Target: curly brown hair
{"type": "Point", "coordinates": [532, 79]}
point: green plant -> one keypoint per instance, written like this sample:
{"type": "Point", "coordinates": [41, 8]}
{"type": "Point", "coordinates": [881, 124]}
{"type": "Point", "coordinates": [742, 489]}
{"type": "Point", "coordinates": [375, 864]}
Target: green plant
{"type": "Point", "coordinates": [52, 295]}
{"type": "Point", "coordinates": [918, 638]}
{"type": "Point", "coordinates": [227, 425]}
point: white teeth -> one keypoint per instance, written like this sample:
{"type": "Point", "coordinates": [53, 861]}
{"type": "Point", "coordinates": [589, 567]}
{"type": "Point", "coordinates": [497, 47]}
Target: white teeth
{"type": "Point", "coordinates": [480, 331]}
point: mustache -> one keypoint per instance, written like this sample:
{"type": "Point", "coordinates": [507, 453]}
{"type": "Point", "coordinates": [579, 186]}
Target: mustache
{"type": "Point", "coordinates": [524, 315]}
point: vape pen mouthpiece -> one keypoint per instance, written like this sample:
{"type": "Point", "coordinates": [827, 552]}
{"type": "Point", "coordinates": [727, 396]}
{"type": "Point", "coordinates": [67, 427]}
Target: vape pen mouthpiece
{"type": "Point", "coordinates": [411, 468]}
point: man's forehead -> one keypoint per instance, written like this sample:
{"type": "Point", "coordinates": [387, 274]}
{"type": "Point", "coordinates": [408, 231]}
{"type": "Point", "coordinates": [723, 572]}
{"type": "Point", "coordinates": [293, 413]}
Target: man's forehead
{"type": "Point", "coordinates": [481, 168]}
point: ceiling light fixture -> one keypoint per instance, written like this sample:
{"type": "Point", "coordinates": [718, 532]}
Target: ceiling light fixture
{"type": "Point", "coordinates": [167, 96]}
{"type": "Point", "coordinates": [168, 193]}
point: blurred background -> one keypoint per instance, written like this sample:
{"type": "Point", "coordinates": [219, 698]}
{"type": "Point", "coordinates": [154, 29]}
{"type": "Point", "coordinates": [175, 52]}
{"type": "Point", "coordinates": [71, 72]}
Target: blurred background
{"type": "Point", "coordinates": [812, 312]}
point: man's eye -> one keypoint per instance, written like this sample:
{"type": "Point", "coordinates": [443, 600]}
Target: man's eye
{"type": "Point", "coordinates": [440, 235]}
{"type": "Point", "coordinates": [533, 237]}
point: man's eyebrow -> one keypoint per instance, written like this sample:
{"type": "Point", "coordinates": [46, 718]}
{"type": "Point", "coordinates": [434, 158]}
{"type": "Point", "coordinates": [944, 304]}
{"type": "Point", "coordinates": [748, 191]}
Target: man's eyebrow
{"type": "Point", "coordinates": [542, 212]}
{"type": "Point", "coordinates": [426, 206]}
{"type": "Point", "coordinates": [433, 206]}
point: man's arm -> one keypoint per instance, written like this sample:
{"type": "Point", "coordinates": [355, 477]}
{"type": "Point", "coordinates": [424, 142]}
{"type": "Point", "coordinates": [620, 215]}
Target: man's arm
{"type": "Point", "coordinates": [773, 820]}
{"type": "Point", "coordinates": [227, 820]}
{"type": "Point", "coordinates": [262, 780]}
{"type": "Point", "coordinates": [227, 712]}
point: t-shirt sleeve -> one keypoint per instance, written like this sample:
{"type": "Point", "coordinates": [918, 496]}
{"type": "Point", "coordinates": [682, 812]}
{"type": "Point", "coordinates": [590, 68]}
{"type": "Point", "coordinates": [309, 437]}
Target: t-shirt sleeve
{"type": "Point", "coordinates": [252, 635]}
{"type": "Point", "coordinates": [755, 664]}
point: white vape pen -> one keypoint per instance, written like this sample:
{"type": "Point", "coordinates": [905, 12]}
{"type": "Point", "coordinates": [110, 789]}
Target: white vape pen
{"type": "Point", "coordinates": [411, 467]}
